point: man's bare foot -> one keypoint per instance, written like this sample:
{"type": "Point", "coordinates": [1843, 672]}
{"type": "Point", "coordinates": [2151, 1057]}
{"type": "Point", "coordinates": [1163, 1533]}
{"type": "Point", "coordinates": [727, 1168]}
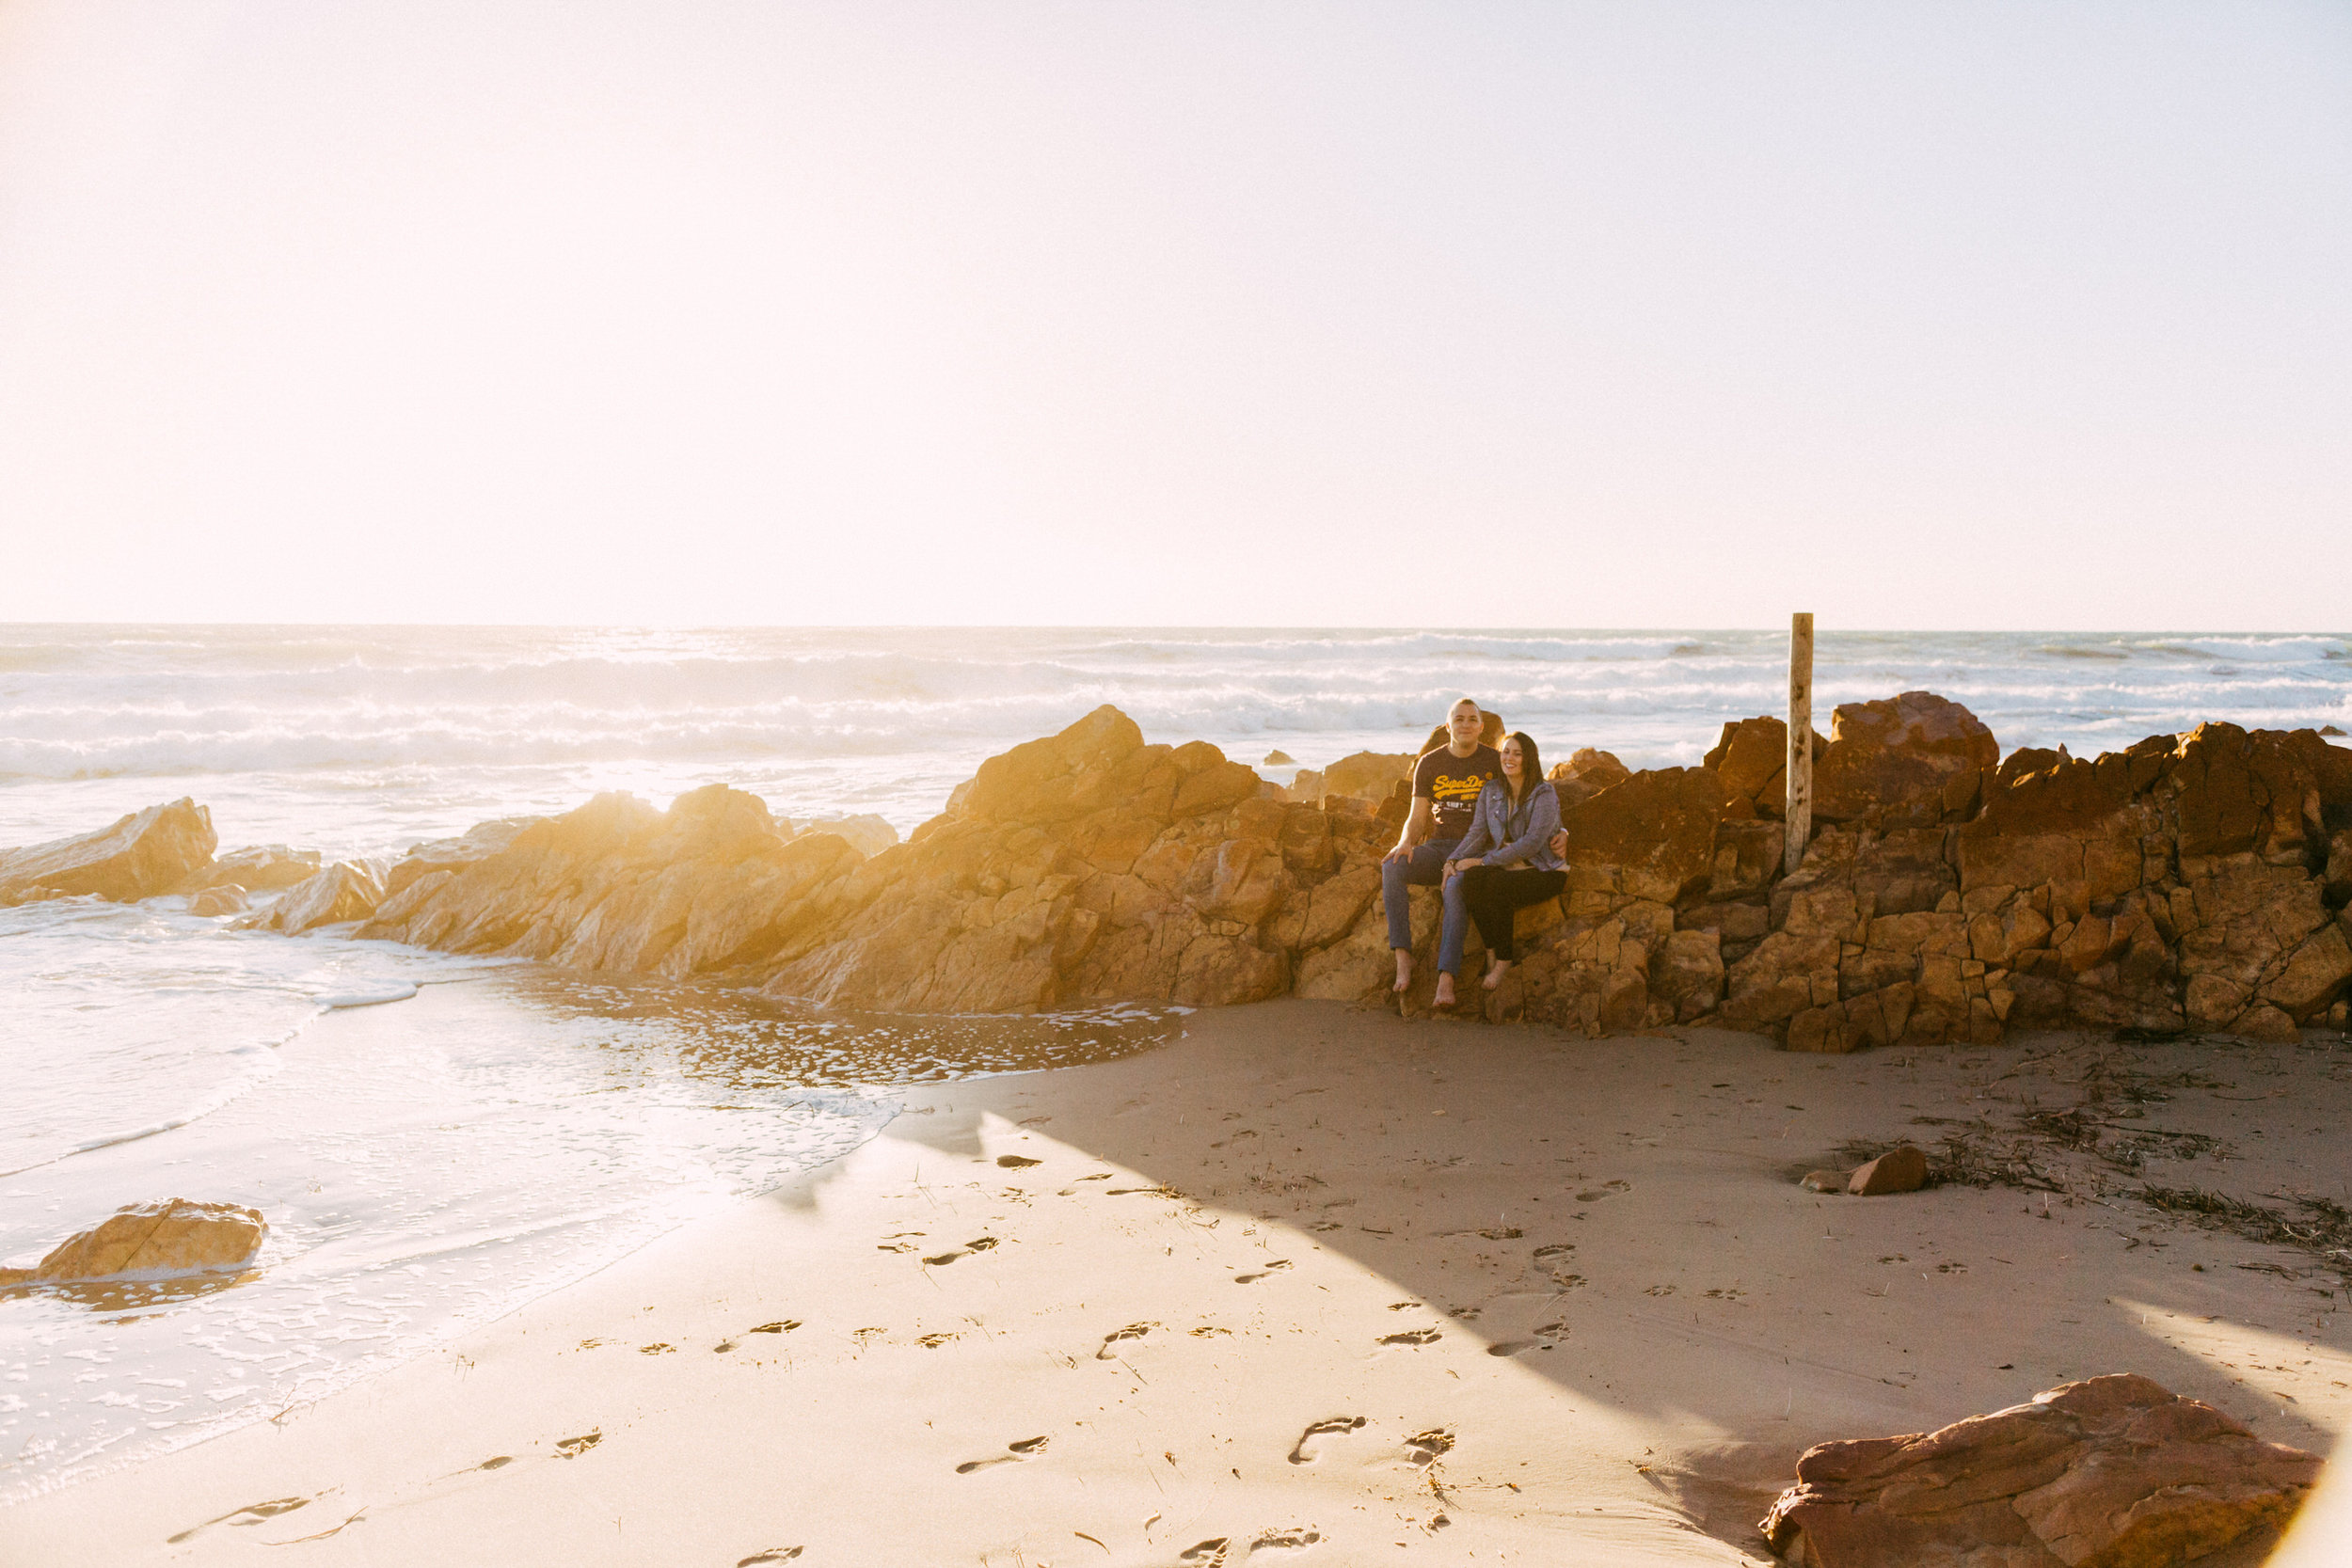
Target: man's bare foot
{"type": "Point", "coordinates": [1495, 973]}
{"type": "Point", "coordinates": [1404, 969]}
{"type": "Point", "coordinates": [1445, 992]}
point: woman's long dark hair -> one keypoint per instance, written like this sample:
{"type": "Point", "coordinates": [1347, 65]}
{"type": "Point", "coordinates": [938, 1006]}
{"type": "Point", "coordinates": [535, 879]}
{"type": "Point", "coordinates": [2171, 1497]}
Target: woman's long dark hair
{"type": "Point", "coordinates": [1530, 764]}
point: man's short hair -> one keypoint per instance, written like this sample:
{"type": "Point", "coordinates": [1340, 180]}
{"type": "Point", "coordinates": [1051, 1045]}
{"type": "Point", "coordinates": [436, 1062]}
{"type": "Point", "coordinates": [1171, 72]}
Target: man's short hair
{"type": "Point", "coordinates": [1458, 702]}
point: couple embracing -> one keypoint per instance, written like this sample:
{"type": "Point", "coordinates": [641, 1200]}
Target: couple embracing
{"type": "Point", "coordinates": [1484, 827]}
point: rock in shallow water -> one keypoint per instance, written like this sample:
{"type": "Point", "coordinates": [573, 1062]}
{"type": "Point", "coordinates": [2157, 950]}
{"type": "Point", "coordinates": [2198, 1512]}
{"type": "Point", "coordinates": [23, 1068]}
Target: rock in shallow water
{"type": "Point", "coordinates": [175, 1236]}
{"type": "Point", "coordinates": [2111, 1472]}
{"type": "Point", "coordinates": [143, 854]}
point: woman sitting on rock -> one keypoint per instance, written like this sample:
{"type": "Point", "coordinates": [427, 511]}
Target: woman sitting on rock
{"type": "Point", "coordinates": [1505, 862]}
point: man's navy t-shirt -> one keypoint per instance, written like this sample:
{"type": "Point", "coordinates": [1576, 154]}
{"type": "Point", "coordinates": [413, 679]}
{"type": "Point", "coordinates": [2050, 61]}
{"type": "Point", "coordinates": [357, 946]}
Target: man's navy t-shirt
{"type": "Point", "coordinates": [1451, 785]}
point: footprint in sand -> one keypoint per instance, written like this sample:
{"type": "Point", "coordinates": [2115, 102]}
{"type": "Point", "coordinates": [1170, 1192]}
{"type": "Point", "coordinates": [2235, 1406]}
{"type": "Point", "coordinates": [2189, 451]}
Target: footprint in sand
{"type": "Point", "coordinates": [1017, 1162]}
{"type": "Point", "coordinates": [656, 1350]}
{"type": "Point", "coordinates": [1607, 1189]}
{"type": "Point", "coordinates": [252, 1513]}
{"type": "Point", "coordinates": [1412, 1337]}
{"type": "Point", "coordinates": [1284, 1541]}
{"type": "Point", "coordinates": [1336, 1426]}
{"type": "Point", "coordinates": [1133, 1331]}
{"type": "Point", "coordinates": [1261, 1273]}
{"type": "Point", "coordinates": [773, 1554]}
{"type": "Point", "coordinates": [1327, 1225]}
{"type": "Point", "coordinates": [1558, 1249]}
{"type": "Point", "coordinates": [782, 1326]}
{"type": "Point", "coordinates": [1423, 1449]}
{"type": "Point", "coordinates": [500, 1463]}
{"type": "Point", "coordinates": [1544, 1338]}
{"type": "Point", "coordinates": [572, 1448]}
{"type": "Point", "coordinates": [932, 1341]}
{"type": "Point", "coordinates": [1210, 1552]}
{"type": "Point", "coordinates": [1013, 1454]}
{"type": "Point", "coordinates": [979, 1245]}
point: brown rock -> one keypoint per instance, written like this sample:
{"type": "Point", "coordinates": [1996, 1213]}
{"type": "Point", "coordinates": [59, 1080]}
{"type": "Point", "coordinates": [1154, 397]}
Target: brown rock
{"type": "Point", "coordinates": [477, 843]}
{"type": "Point", "coordinates": [173, 1236]}
{"type": "Point", "coordinates": [1907, 761]}
{"type": "Point", "coordinates": [1651, 838]}
{"type": "Point", "coordinates": [2111, 1472]}
{"type": "Point", "coordinates": [258, 868]}
{"type": "Point", "coordinates": [1752, 757]}
{"type": "Point", "coordinates": [1898, 1170]}
{"type": "Point", "coordinates": [2266, 1023]}
{"type": "Point", "coordinates": [215, 902]}
{"type": "Point", "coordinates": [346, 891]}
{"type": "Point", "coordinates": [2313, 977]}
{"type": "Point", "coordinates": [146, 853]}
{"type": "Point", "coordinates": [1278, 759]}
{"type": "Point", "coordinates": [1368, 775]}
{"type": "Point", "coordinates": [1823, 1181]}
{"type": "Point", "coordinates": [867, 835]}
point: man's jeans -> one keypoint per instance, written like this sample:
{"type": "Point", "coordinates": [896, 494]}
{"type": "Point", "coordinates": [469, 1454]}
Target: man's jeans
{"type": "Point", "coordinates": [1423, 869]}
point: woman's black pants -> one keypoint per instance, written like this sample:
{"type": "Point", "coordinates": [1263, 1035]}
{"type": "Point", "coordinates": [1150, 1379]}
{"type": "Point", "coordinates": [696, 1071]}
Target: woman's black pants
{"type": "Point", "coordinates": [1496, 893]}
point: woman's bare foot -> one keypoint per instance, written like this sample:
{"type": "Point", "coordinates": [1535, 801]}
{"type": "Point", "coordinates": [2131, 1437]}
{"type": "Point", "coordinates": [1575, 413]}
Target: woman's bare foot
{"type": "Point", "coordinates": [1445, 992]}
{"type": "Point", "coordinates": [1495, 973]}
{"type": "Point", "coordinates": [1403, 970]}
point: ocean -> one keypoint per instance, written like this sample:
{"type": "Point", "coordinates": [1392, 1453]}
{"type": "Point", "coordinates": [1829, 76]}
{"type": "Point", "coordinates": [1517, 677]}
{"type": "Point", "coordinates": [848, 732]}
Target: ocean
{"type": "Point", "coordinates": [533, 1126]}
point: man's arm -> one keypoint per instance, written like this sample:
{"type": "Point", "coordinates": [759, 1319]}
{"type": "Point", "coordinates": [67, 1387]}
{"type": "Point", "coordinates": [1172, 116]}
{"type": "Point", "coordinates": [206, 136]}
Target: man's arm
{"type": "Point", "coordinates": [1418, 823]}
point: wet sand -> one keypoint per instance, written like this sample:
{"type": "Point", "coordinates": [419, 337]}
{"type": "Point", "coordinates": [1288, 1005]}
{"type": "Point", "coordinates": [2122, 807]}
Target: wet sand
{"type": "Point", "coordinates": [1320, 1285]}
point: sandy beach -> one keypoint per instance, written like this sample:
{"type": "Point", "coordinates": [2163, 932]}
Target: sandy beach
{"type": "Point", "coordinates": [1313, 1282]}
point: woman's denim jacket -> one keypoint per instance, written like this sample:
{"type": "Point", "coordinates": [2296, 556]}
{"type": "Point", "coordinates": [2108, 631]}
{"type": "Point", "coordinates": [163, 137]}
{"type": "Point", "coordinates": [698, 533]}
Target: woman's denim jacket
{"type": "Point", "coordinates": [1500, 837]}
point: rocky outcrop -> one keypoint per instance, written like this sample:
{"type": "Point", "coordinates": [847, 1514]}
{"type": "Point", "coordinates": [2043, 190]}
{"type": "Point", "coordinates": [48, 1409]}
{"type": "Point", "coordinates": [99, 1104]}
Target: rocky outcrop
{"type": "Point", "coordinates": [2194, 882]}
{"type": "Point", "coordinates": [146, 853]}
{"type": "Point", "coordinates": [867, 835]}
{"type": "Point", "coordinates": [1367, 775]}
{"type": "Point", "coordinates": [2111, 1472]}
{"type": "Point", "coordinates": [176, 1236]}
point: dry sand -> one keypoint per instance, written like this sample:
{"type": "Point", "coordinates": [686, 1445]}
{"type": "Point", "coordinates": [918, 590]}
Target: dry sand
{"type": "Point", "coordinates": [1316, 1284]}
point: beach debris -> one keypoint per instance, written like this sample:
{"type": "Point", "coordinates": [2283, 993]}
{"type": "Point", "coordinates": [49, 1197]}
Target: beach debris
{"type": "Point", "coordinates": [2115, 1471]}
{"type": "Point", "coordinates": [139, 856]}
{"type": "Point", "coordinates": [177, 1236]}
{"type": "Point", "coordinates": [773, 1554]}
{"type": "Point", "coordinates": [1902, 1169]}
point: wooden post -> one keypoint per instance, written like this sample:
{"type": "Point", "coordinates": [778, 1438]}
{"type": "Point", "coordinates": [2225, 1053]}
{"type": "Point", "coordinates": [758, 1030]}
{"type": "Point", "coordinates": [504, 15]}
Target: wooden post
{"type": "Point", "coordinates": [1799, 816]}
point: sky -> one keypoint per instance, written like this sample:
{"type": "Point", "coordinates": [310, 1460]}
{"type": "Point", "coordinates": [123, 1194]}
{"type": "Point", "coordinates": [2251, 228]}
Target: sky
{"type": "Point", "coordinates": [1534, 314]}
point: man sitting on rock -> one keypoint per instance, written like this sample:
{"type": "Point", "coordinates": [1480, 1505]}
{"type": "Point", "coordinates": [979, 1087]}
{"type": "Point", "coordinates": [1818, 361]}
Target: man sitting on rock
{"type": "Point", "coordinates": [1446, 781]}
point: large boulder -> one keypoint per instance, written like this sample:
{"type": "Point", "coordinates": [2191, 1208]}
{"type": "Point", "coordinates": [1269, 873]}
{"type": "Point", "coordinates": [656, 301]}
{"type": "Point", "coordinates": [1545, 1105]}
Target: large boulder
{"type": "Point", "coordinates": [1651, 838]}
{"type": "Point", "coordinates": [1752, 758]}
{"type": "Point", "coordinates": [1368, 775]}
{"type": "Point", "coordinates": [1913, 760]}
{"type": "Point", "coordinates": [2110, 1472]}
{"type": "Point", "coordinates": [146, 853]}
{"type": "Point", "coordinates": [176, 1236]}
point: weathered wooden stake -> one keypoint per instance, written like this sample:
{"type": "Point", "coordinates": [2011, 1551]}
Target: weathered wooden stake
{"type": "Point", "coordinates": [1800, 809]}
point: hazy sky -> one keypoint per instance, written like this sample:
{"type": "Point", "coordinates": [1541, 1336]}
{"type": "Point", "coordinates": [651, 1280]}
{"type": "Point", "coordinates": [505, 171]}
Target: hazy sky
{"type": "Point", "coordinates": [1529, 314]}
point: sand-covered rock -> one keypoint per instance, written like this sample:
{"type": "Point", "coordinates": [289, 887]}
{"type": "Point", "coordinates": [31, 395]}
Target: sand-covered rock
{"type": "Point", "coordinates": [2110, 1472]}
{"type": "Point", "coordinates": [175, 1236]}
{"type": "Point", "coordinates": [145, 853]}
